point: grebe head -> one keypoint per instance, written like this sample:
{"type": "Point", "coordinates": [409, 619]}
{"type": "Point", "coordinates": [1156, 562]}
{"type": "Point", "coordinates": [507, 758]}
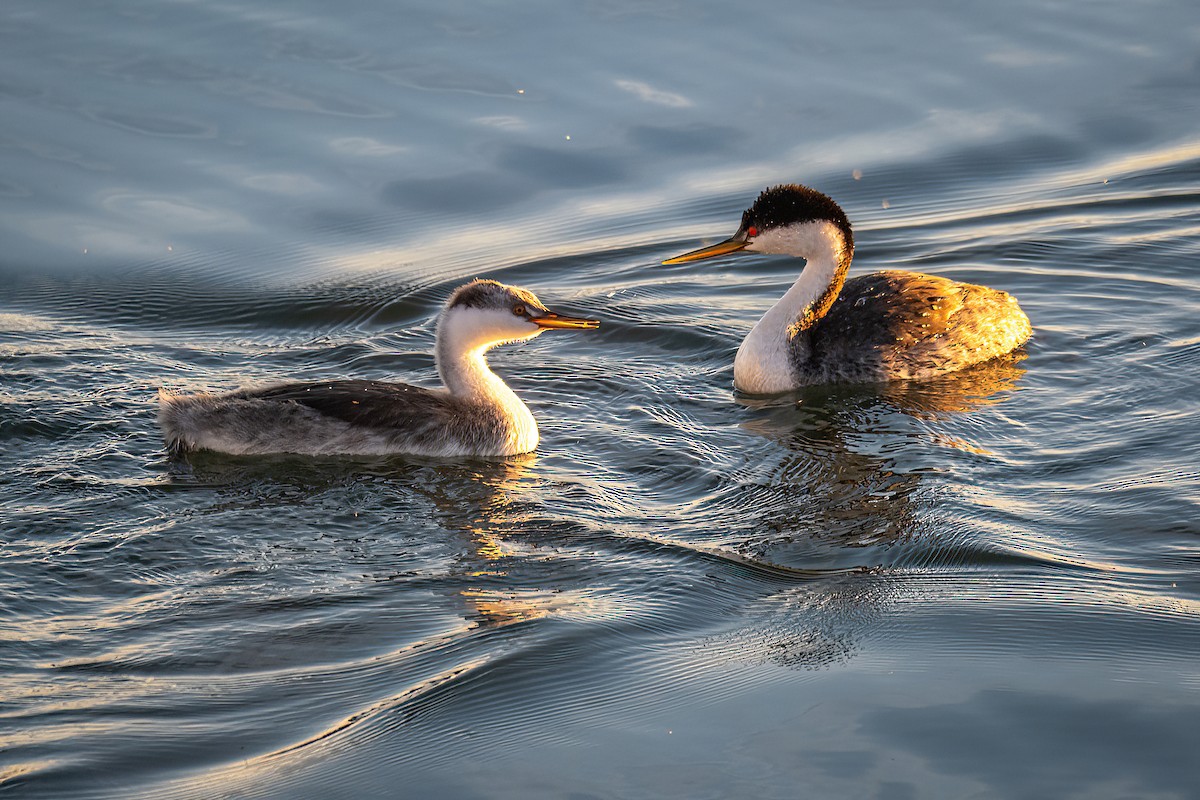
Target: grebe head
{"type": "Point", "coordinates": [790, 219]}
{"type": "Point", "coordinates": [483, 313]}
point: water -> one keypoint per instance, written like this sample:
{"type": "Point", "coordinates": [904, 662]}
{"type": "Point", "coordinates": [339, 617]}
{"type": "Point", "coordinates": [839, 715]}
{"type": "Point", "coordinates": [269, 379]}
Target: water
{"type": "Point", "coordinates": [986, 586]}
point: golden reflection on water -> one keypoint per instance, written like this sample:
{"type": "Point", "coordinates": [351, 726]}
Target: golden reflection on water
{"type": "Point", "coordinates": [501, 486]}
{"type": "Point", "coordinates": [958, 392]}
{"type": "Point", "coordinates": [496, 608]}
{"type": "Point", "coordinates": [824, 415]}
{"type": "Point", "coordinates": [505, 485]}
{"type": "Point", "coordinates": [487, 516]}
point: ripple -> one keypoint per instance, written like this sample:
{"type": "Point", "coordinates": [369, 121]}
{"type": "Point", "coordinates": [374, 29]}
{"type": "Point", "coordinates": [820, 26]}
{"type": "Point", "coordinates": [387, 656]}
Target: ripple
{"type": "Point", "coordinates": [440, 77]}
{"type": "Point", "coordinates": [172, 127]}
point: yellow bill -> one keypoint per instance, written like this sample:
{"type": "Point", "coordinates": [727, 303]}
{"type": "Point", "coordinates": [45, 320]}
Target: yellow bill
{"type": "Point", "coordinates": [731, 245]}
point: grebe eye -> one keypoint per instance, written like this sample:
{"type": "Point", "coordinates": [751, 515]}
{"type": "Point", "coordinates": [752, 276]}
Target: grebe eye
{"type": "Point", "coordinates": [752, 231]}
{"type": "Point", "coordinates": [519, 310]}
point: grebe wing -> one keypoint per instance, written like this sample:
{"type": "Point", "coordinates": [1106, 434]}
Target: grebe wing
{"type": "Point", "coordinates": [913, 324]}
{"type": "Point", "coordinates": [370, 403]}
{"type": "Point", "coordinates": [883, 306]}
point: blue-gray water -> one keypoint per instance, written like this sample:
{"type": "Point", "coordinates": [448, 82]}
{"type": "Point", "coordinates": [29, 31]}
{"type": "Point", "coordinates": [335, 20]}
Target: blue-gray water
{"type": "Point", "coordinates": [987, 586]}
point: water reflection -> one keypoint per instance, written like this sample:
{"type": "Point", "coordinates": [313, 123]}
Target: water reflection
{"type": "Point", "coordinates": [484, 508]}
{"type": "Point", "coordinates": [959, 392]}
{"type": "Point", "coordinates": [480, 500]}
{"type": "Point", "coordinates": [840, 494]}
{"type": "Point", "coordinates": [843, 493]}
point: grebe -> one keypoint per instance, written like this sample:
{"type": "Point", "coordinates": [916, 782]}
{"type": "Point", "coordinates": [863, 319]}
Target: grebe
{"type": "Point", "coordinates": [890, 325]}
{"type": "Point", "coordinates": [475, 415]}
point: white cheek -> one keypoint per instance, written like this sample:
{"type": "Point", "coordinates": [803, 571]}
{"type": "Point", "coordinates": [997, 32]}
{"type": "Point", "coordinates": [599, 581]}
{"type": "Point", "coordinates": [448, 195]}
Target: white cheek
{"type": "Point", "coordinates": [516, 328]}
{"type": "Point", "coordinates": [770, 241]}
{"type": "Point", "coordinates": [805, 240]}
{"type": "Point", "coordinates": [529, 331]}
{"type": "Point", "coordinates": [473, 328]}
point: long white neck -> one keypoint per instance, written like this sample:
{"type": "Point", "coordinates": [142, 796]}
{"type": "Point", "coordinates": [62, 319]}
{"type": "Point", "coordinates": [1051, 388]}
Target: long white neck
{"type": "Point", "coordinates": [462, 365]}
{"type": "Point", "coordinates": [765, 361]}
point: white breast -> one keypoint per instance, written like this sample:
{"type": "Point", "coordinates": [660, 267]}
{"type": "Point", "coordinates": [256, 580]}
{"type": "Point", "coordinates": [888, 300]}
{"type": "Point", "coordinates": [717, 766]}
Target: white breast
{"type": "Point", "coordinates": [762, 365]}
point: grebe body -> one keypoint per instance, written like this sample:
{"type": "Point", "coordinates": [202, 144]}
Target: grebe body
{"type": "Point", "coordinates": [476, 414]}
{"type": "Point", "coordinates": [890, 325]}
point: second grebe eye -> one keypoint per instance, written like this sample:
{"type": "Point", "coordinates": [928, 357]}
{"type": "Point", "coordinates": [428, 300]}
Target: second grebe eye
{"type": "Point", "coordinates": [752, 231]}
{"type": "Point", "coordinates": [519, 310]}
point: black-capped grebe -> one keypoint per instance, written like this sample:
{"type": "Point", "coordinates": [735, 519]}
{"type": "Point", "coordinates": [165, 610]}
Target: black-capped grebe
{"type": "Point", "coordinates": [475, 415]}
{"type": "Point", "coordinates": [884, 326]}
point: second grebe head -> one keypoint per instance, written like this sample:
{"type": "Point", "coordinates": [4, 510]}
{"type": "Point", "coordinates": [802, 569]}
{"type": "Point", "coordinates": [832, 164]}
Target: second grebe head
{"type": "Point", "coordinates": [484, 313]}
{"type": "Point", "coordinates": [786, 219]}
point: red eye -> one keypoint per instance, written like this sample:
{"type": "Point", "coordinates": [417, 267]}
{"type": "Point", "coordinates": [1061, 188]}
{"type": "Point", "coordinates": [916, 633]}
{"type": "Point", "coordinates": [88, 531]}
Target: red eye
{"type": "Point", "coordinates": [752, 231]}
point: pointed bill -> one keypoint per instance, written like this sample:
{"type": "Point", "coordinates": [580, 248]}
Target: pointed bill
{"type": "Point", "coordinates": [552, 320]}
{"type": "Point", "coordinates": [730, 245]}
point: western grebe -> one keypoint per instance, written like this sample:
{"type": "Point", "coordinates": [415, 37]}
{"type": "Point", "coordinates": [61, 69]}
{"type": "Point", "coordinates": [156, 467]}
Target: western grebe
{"type": "Point", "coordinates": [890, 325]}
{"type": "Point", "coordinates": [475, 415]}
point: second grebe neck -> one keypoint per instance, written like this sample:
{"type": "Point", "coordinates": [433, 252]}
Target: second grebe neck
{"type": "Point", "coordinates": [823, 245]}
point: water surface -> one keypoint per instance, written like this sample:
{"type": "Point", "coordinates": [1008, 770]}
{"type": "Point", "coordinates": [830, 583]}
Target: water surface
{"type": "Point", "coordinates": [980, 586]}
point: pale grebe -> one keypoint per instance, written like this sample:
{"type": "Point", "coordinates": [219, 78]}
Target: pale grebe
{"type": "Point", "coordinates": [475, 415]}
{"type": "Point", "coordinates": [884, 326]}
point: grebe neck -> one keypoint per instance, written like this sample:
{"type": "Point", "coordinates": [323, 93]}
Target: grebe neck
{"type": "Point", "coordinates": [765, 361]}
{"type": "Point", "coordinates": [463, 368]}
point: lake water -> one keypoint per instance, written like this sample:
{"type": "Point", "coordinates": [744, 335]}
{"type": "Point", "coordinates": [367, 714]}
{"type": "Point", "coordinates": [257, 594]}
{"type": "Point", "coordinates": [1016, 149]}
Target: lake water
{"type": "Point", "coordinates": [987, 586]}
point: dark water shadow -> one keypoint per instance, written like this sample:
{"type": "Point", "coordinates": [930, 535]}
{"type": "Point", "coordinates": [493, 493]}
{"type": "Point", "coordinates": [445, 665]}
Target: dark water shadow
{"type": "Point", "coordinates": [843, 486]}
{"type": "Point", "coordinates": [839, 493]}
{"type": "Point", "coordinates": [842, 492]}
{"type": "Point", "coordinates": [459, 488]}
